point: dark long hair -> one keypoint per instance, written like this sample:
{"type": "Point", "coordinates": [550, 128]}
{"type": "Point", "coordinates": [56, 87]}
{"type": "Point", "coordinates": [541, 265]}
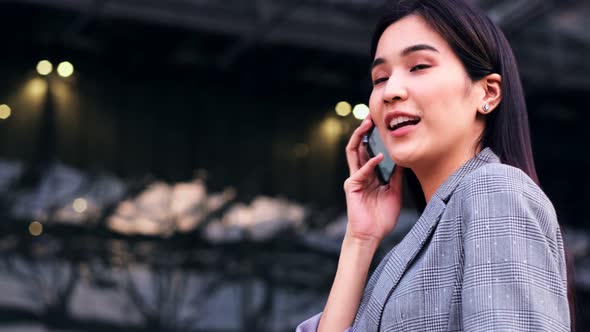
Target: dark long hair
{"type": "Point", "coordinates": [483, 49]}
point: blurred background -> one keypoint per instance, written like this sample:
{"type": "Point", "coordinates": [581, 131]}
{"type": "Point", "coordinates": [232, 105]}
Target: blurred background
{"type": "Point", "coordinates": [178, 165]}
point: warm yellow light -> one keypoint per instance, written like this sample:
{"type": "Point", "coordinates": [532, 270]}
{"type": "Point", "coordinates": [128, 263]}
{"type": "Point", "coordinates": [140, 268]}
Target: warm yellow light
{"type": "Point", "coordinates": [36, 88]}
{"type": "Point", "coordinates": [44, 67]}
{"type": "Point", "coordinates": [331, 128]}
{"type": "Point", "coordinates": [65, 69]}
{"type": "Point", "coordinates": [5, 111]}
{"type": "Point", "coordinates": [80, 205]}
{"type": "Point", "coordinates": [360, 111]}
{"type": "Point", "coordinates": [35, 228]}
{"type": "Point", "coordinates": [343, 108]}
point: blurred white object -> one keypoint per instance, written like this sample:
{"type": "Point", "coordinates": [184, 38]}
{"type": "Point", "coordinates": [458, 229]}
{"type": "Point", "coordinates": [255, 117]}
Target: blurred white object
{"type": "Point", "coordinates": [263, 209]}
{"type": "Point", "coordinates": [163, 209]}
{"type": "Point", "coordinates": [189, 204]}
{"type": "Point", "coordinates": [148, 214]}
{"type": "Point", "coordinates": [155, 202]}
{"type": "Point", "coordinates": [263, 219]}
{"type": "Point", "coordinates": [187, 197]}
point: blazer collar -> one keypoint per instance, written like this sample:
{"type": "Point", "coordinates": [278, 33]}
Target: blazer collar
{"type": "Point", "coordinates": [401, 256]}
{"type": "Point", "coordinates": [485, 156]}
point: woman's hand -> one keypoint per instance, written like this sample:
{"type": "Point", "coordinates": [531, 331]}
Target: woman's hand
{"type": "Point", "coordinates": [373, 209]}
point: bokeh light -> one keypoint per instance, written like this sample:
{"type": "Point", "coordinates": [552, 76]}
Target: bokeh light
{"type": "Point", "coordinates": [5, 111]}
{"type": "Point", "coordinates": [65, 69]}
{"type": "Point", "coordinates": [331, 128]}
{"type": "Point", "coordinates": [44, 67]}
{"type": "Point", "coordinates": [80, 205]}
{"type": "Point", "coordinates": [36, 88]}
{"type": "Point", "coordinates": [360, 111]}
{"type": "Point", "coordinates": [343, 108]}
{"type": "Point", "coordinates": [35, 228]}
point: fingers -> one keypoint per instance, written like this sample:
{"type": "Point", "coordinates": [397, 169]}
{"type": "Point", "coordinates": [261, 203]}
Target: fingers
{"type": "Point", "coordinates": [352, 149]}
{"type": "Point", "coordinates": [368, 168]}
{"type": "Point", "coordinates": [358, 180]}
{"type": "Point", "coordinates": [363, 154]}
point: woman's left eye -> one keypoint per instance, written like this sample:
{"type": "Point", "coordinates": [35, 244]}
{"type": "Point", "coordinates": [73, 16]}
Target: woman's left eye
{"type": "Point", "coordinates": [419, 67]}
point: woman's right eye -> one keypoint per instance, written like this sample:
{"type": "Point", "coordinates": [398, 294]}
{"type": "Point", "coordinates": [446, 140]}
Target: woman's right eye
{"type": "Point", "coordinates": [379, 80]}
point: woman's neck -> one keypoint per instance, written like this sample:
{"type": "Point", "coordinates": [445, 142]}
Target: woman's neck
{"type": "Point", "coordinates": [434, 174]}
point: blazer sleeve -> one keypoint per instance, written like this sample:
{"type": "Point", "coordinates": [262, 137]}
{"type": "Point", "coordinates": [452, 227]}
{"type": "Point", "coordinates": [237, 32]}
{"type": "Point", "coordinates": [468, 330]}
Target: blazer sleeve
{"type": "Point", "coordinates": [311, 325]}
{"type": "Point", "coordinates": [514, 274]}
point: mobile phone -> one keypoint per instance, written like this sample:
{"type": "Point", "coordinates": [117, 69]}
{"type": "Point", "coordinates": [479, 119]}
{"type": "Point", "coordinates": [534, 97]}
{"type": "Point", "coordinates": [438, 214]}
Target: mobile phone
{"type": "Point", "coordinates": [385, 168]}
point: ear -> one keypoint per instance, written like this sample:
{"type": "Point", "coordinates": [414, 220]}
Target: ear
{"type": "Point", "coordinates": [492, 88]}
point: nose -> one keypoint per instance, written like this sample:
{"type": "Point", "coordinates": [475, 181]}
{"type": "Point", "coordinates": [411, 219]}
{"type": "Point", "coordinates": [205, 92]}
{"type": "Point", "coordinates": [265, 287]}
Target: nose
{"type": "Point", "coordinates": [394, 90]}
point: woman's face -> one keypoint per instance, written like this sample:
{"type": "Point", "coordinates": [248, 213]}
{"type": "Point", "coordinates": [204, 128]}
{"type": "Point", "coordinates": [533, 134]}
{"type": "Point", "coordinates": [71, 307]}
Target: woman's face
{"type": "Point", "coordinates": [423, 102]}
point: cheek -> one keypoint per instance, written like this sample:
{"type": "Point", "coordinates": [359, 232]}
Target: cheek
{"type": "Point", "coordinates": [374, 105]}
{"type": "Point", "coordinates": [443, 103]}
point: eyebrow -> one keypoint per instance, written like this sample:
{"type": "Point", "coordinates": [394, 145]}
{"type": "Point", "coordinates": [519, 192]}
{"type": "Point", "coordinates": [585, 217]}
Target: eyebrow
{"type": "Point", "coordinates": [407, 51]}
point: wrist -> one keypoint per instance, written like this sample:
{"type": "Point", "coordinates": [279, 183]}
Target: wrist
{"type": "Point", "coordinates": [363, 243]}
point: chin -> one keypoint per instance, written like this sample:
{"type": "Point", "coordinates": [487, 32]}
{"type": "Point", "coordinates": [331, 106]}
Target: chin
{"type": "Point", "coordinates": [404, 156]}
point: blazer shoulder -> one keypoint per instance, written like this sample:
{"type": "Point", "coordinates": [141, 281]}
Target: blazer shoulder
{"type": "Point", "coordinates": [496, 178]}
{"type": "Point", "coordinates": [505, 189]}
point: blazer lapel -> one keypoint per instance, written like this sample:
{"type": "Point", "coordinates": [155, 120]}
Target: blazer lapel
{"type": "Point", "coordinates": [400, 259]}
{"type": "Point", "coordinates": [402, 255]}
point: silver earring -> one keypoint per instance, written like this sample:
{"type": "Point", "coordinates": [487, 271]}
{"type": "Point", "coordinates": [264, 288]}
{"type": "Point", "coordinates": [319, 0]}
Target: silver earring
{"type": "Point", "coordinates": [486, 108]}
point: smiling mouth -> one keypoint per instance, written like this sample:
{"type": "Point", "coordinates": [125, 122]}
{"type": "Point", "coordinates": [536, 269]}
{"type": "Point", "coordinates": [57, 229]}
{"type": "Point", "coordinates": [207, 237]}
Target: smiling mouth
{"type": "Point", "coordinates": [400, 122]}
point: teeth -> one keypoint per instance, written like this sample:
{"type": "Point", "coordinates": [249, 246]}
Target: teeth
{"type": "Point", "coordinates": [397, 120]}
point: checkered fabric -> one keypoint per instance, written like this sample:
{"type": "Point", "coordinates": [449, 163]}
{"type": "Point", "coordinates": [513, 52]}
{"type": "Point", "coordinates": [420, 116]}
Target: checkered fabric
{"type": "Point", "coordinates": [486, 255]}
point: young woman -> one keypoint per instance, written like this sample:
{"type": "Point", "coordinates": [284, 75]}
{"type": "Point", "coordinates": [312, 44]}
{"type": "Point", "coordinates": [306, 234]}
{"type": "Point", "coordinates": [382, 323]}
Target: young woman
{"type": "Point", "coordinates": [486, 253]}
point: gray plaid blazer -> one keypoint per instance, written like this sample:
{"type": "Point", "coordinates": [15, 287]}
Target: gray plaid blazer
{"type": "Point", "coordinates": [486, 255]}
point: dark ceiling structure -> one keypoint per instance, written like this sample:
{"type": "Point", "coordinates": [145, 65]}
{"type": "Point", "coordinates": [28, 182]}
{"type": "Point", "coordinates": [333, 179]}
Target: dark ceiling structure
{"type": "Point", "coordinates": [551, 38]}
